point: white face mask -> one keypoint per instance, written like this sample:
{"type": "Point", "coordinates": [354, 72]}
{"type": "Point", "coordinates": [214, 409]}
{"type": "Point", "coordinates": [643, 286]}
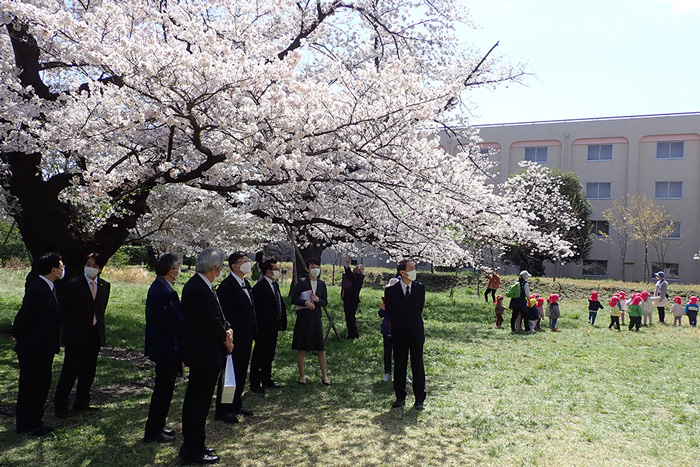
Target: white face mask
{"type": "Point", "coordinates": [63, 273]}
{"type": "Point", "coordinates": [221, 271]}
{"type": "Point", "coordinates": [276, 275]}
{"type": "Point", "coordinates": [247, 268]}
{"type": "Point", "coordinates": [91, 272]}
{"type": "Point", "coordinates": [411, 275]}
{"type": "Point", "coordinates": [315, 272]}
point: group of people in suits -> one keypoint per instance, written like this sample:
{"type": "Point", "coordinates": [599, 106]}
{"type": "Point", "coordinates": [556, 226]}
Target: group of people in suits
{"type": "Point", "coordinates": [76, 316]}
{"type": "Point", "coordinates": [200, 329]}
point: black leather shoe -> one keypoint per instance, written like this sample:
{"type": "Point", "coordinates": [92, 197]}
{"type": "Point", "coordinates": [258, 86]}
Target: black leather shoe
{"type": "Point", "coordinates": [169, 432]}
{"type": "Point", "coordinates": [418, 406]}
{"type": "Point", "coordinates": [160, 438]}
{"type": "Point", "coordinates": [326, 383]}
{"type": "Point", "coordinates": [227, 417]}
{"type": "Point", "coordinates": [41, 431]}
{"type": "Point", "coordinates": [398, 403]}
{"type": "Point", "coordinates": [201, 460]}
{"type": "Point", "coordinates": [257, 390]}
{"type": "Point", "coordinates": [209, 450]}
{"type": "Point", "coordinates": [62, 413]}
{"type": "Point", "coordinates": [271, 385]}
{"type": "Point", "coordinates": [246, 412]}
{"type": "Point", "coordinates": [85, 408]}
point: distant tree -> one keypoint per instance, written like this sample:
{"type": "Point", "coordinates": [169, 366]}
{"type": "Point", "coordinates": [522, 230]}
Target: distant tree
{"type": "Point", "coordinates": [561, 193]}
{"type": "Point", "coordinates": [638, 218]}
{"type": "Point", "coordinates": [617, 217]}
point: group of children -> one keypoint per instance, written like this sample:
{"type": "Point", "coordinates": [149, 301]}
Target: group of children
{"type": "Point", "coordinates": [638, 308]}
{"type": "Point", "coordinates": [534, 313]}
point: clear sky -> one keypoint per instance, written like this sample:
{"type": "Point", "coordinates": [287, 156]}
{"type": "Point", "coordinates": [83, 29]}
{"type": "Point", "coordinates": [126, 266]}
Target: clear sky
{"type": "Point", "coordinates": [590, 58]}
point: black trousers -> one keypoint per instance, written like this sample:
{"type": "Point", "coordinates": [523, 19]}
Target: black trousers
{"type": "Point", "coordinates": [387, 353]}
{"type": "Point", "coordinates": [615, 321]}
{"type": "Point", "coordinates": [195, 409]}
{"type": "Point", "coordinates": [493, 295]}
{"type": "Point", "coordinates": [662, 313]}
{"type": "Point", "coordinates": [242, 346]}
{"type": "Point", "coordinates": [166, 374]}
{"type": "Point", "coordinates": [635, 321]}
{"type": "Point", "coordinates": [350, 308]}
{"type": "Point", "coordinates": [80, 362]}
{"type": "Point", "coordinates": [261, 361]}
{"type": "Point", "coordinates": [693, 318]}
{"type": "Point", "coordinates": [402, 348]}
{"type": "Point", "coordinates": [34, 384]}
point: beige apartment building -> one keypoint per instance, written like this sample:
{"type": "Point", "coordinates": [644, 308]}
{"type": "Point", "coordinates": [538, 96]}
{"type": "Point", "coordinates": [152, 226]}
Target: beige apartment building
{"type": "Point", "coordinates": [653, 155]}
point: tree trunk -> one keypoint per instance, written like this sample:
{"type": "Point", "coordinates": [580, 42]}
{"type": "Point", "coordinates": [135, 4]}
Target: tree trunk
{"type": "Point", "coordinates": [48, 224]}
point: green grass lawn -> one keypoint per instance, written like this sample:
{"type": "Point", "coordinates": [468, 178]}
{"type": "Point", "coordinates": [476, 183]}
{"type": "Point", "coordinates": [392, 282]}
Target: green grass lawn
{"type": "Point", "coordinates": [583, 396]}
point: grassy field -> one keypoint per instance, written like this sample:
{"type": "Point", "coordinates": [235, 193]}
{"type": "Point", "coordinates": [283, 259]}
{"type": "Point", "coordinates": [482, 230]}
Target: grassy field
{"type": "Point", "coordinates": [583, 396]}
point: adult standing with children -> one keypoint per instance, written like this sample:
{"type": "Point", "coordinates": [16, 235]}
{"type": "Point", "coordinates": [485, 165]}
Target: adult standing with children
{"type": "Point", "coordinates": [519, 304]}
{"type": "Point", "coordinates": [404, 303]}
{"type": "Point", "coordinates": [661, 295]}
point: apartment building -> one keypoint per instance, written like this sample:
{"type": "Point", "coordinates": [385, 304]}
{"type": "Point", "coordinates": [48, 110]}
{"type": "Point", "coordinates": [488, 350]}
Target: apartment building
{"type": "Point", "coordinates": [653, 155]}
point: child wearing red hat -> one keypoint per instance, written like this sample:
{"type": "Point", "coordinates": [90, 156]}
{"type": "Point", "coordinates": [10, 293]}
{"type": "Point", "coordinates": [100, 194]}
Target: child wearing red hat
{"type": "Point", "coordinates": [691, 309]}
{"type": "Point", "coordinates": [635, 312]}
{"type": "Point", "coordinates": [614, 312]}
{"type": "Point", "coordinates": [622, 304]}
{"type": "Point", "coordinates": [499, 311]}
{"type": "Point", "coordinates": [553, 312]}
{"type": "Point", "coordinates": [647, 308]}
{"type": "Point", "coordinates": [677, 310]}
{"type": "Point", "coordinates": [593, 307]}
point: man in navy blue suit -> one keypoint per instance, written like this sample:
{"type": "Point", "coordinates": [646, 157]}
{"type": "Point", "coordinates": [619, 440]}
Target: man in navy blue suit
{"type": "Point", "coordinates": [164, 329]}
{"type": "Point", "coordinates": [36, 333]}
{"type": "Point", "coordinates": [404, 307]}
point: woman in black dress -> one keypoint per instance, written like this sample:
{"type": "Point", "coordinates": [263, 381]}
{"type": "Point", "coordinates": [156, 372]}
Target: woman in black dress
{"type": "Point", "coordinates": [309, 296]}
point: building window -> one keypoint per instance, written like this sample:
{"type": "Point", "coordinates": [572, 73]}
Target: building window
{"type": "Point", "coordinates": [669, 150]}
{"type": "Point", "coordinates": [670, 270]}
{"type": "Point", "coordinates": [676, 232]}
{"type": "Point", "coordinates": [538, 155]}
{"type": "Point", "coordinates": [600, 152]}
{"type": "Point", "coordinates": [668, 190]}
{"type": "Point", "coordinates": [598, 190]}
{"type": "Point", "coordinates": [600, 228]}
{"type": "Point", "coordinates": [595, 268]}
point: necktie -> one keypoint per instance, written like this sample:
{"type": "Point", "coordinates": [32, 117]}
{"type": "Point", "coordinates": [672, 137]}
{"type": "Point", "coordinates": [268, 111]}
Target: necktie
{"type": "Point", "coordinates": [55, 295]}
{"type": "Point", "coordinates": [93, 290]}
{"type": "Point", "coordinates": [408, 292]}
{"type": "Point", "coordinates": [276, 288]}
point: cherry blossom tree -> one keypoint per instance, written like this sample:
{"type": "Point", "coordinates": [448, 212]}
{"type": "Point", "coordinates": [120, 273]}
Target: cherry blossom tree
{"type": "Point", "coordinates": [308, 114]}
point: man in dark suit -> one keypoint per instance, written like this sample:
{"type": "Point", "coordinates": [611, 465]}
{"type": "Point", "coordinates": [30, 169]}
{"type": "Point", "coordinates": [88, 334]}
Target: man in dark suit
{"type": "Point", "coordinates": [36, 333]}
{"type": "Point", "coordinates": [271, 318]}
{"type": "Point", "coordinates": [207, 340]}
{"type": "Point", "coordinates": [84, 300]}
{"type": "Point", "coordinates": [164, 330]}
{"type": "Point", "coordinates": [404, 307]}
{"type": "Point", "coordinates": [351, 296]}
{"type": "Point", "coordinates": [236, 298]}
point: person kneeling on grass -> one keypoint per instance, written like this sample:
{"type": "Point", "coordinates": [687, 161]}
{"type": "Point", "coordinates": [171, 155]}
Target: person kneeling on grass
{"type": "Point", "coordinates": [553, 312]}
{"type": "Point", "coordinates": [635, 312]}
